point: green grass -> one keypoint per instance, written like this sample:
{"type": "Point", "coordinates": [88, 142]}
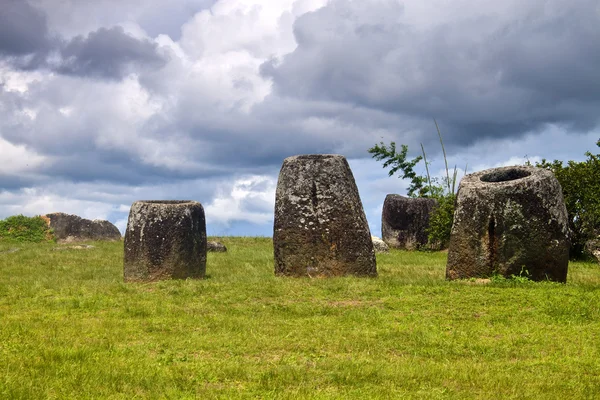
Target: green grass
{"type": "Point", "coordinates": [70, 328]}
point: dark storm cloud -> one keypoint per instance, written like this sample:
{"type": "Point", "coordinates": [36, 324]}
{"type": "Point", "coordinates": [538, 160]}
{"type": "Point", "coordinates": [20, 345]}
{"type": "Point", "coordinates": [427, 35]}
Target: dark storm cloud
{"type": "Point", "coordinates": [23, 29]}
{"type": "Point", "coordinates": [108, 53]}
{"type": "Point", "coordinates": [108, 167]}
{"type": "Point", "coordinates": [483, 77]}
{"type": "Point", "coordinates": [9, 182]}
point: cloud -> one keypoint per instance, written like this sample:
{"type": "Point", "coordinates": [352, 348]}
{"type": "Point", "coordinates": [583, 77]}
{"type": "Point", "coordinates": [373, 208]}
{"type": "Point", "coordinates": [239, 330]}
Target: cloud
{"type": "Point", "coordinates": [485, 76]}
{"type": "Point", "coordinates": [23, 29]}
{"type": "Point", "coordinates": [18, 159]}
{"type": "Point", "coordinates": [72, 17]}
{"type": "Point", "coordinates": [250, 199]}
{"type": "Point", "coordinates": [108, 53]}
{"type": "Point", "coordinates": [35, 201]}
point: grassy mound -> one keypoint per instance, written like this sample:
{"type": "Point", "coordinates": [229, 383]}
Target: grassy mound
{"type": "Point", "coordinates": [20, 228]}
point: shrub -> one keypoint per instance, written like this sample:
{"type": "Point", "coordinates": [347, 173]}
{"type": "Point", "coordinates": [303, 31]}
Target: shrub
{"type": "Point", "coordinates": [580, 182]}
{"type": "Point", "coordinates": [20, 228]}
{"type": "Point", "coordinates": [440, 222]}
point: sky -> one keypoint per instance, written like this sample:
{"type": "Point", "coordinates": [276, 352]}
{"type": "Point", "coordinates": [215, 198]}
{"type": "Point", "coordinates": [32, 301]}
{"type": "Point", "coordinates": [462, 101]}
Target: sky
{"type": "Point", "coordinates": [106, 102]}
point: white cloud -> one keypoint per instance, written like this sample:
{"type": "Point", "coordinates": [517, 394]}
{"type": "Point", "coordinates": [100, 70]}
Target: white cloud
{"type": "Point", "coordinates": [17, 81]}
{"type": "Point", "coordinates": [260, 28]}
{"type": "Point", "coordinates": [221, 49]}
{"type": "Point", "coordinates": [19, 159]}
{"type": "Point", "coordinates": [250, 198]}
{"type": "Point", "coordinates": [36, 201]}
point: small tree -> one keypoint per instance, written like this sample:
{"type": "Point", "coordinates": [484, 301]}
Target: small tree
{"type": "Point", "coordinates": [580, 182]}
{"type": "Point", "coordinates": [398, 162]}
{"type": "Point", "coordinates": [442, 217]}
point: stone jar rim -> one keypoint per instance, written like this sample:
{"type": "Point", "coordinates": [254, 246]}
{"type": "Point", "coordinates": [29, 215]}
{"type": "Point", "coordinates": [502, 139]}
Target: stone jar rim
{"type": "Point", "coordinates": [505, 176]}
{"type": "Point", "coordinates": [166, 202]}
{"type": "Point", "coordinates": [315, 156]}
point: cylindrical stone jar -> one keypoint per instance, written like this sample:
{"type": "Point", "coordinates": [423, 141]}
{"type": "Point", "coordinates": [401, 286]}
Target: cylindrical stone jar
{"type": "Point", "coordinates": [165, 239]}
{"type": "Point", "coordinates": [404, 221]}
{"type": "Point", "coordinates": [320, 226]}
{"type": "Point", "coordinates": [509, 221]}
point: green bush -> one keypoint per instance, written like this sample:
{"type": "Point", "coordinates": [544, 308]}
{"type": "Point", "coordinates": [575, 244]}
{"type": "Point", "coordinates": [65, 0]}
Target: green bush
{"type": "Point", "coordinates": [440, 222]}
{"type": "Point", "coordinates": [580, 182]}
{"type": "Point", "coordinates": [20, 228]}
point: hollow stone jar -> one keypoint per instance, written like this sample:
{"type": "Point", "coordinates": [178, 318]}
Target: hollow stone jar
{"type": "Point", "coordinates": [165, 239]}
{"type": "Point", "coordinates": [509, 221]}
{"type": "Point", "coordinates": [320, 226]}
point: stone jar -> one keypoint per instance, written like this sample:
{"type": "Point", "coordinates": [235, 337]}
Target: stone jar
{"type": "Point", "coordinates": [320, 226]}
{"type": "Point", "coordinates": [165, 239]}
{"type": "Point", "coordinates": [509, 221]}
{"type": "Point", "coordinates": [404, 221]}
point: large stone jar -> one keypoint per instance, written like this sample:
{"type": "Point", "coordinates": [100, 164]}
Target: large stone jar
{"type": "Point", "coordinates": [320, 226]}
{"type": "Point", "coordinates": [165, 239]}
{"type": "Point", "coordinates": [509, 221]}
{"type": "Point", "coordinates": [404, 221]}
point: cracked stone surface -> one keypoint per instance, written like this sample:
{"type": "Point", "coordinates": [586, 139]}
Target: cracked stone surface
{"type": "Point", "coordinates": [165, 240]}
{"type": "Point", "coordinates": [509, 221]}
{"type": "Point", "coordinates": [320, 227]}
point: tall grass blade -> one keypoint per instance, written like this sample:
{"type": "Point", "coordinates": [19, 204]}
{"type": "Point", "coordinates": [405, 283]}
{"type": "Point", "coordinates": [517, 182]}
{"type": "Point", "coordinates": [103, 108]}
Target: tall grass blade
{"type": "Point", "coordinates": [426, 168]}
{"type": "Point", "coordinates": [454, 179]}
{"type": "Point", "coordinates": [444, 151]}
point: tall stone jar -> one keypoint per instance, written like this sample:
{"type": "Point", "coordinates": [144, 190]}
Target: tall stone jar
{"type": "Point", "coordinates": [320, 226]}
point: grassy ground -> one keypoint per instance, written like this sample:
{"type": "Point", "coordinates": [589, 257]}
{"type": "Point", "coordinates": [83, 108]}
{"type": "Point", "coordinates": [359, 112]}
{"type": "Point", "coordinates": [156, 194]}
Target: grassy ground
{"type": "Point", "coordinates": [70, 328]}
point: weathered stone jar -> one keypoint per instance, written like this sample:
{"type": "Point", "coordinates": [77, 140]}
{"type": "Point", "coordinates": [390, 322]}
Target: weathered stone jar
{"type": "Point", "coordinates": [404, 221]}
{"type": "Point", "coordinates": [509, 221]}
{"type": "Point", "coordinates": [165, 239]}
{"type": "Point", "coordinates": [320, 226]}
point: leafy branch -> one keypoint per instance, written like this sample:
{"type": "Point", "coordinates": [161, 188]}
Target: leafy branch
{"type": "Point", "coordinates": [399, 162]}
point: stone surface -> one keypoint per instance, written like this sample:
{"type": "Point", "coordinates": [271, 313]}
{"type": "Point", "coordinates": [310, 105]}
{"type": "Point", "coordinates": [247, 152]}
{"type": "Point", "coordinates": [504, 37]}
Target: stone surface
{"type": "Point", "coordinates": [71, 228]}
{"type": "Point", "coordinates": [320, 226]}
{"type": "Point", "coordinates": [404, 221]}
{"type": "Point", "coordinates": [215, 247]}
{"type": "Point", "coordinates": [509, 221]}
{"type": "Point", "coordinates": [165, 240]}
{"type": "Point", "coordinates": [379, 245]}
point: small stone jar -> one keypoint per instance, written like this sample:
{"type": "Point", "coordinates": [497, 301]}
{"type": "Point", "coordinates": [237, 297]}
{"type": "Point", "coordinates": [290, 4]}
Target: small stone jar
{"type": "Point", "coordinates": [165, 239]}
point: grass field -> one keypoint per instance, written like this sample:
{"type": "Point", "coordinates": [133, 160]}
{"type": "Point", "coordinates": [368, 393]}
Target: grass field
{"type": "Point", "coordinates": [70, 328]}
